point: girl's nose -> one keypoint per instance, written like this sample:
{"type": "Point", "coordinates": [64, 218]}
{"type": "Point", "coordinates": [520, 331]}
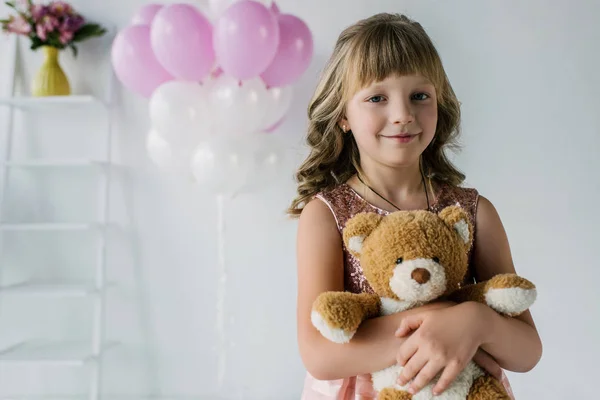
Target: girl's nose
{"type": "Point", "coordinates": [403, 114]}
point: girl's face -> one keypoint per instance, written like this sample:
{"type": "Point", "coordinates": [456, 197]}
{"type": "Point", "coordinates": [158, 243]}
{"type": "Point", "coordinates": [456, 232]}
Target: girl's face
{"type": "Point", "coordinates": [393, 120]}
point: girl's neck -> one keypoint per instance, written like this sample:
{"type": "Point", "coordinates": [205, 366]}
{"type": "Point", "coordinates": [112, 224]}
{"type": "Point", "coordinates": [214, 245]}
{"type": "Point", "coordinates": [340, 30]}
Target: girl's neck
{"type": "Point", "coordinates": [404, 187]}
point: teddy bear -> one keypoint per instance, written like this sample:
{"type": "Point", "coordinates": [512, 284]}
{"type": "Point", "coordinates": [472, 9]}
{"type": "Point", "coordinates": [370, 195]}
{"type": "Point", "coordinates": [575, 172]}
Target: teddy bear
{"type": "Point", "coordinates": [411, 258]}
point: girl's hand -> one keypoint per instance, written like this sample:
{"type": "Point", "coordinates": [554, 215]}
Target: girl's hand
{"type": "Point", "coordinates": [443, 340]}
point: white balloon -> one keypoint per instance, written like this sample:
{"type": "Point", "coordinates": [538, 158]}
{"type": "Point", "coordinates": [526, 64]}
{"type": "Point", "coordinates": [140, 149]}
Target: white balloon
{"type": "Point", "coordinates": [279, 102]}
{"type": "Point", "coordinates": [237, 109]}
{"type": "Point", "coordinates": [169, 159]}
{"type": "Point", "coordinates": [180, 111]}
{"type": "Point", "coordinates": [268, 159]}
{"type": "Point", "coordinates": [159, 150]}
{"type": "Point", "coordinates": [223, 164]}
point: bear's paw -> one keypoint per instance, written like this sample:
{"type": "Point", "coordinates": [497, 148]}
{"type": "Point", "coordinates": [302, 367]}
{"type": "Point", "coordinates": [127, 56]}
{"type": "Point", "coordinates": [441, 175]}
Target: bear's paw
{"type": "Point", "coordinates": [510, 294]}
{"type": "Point", "coordinates": [336, 335]}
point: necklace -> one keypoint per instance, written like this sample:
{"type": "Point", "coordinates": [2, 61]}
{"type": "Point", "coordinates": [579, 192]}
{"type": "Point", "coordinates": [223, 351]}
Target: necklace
{"type": "Point", "coordinates": [389, 202]}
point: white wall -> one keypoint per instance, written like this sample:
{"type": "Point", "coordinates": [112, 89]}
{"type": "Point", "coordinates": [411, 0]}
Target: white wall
{"type": "Point", "coordinates": [527, 77]}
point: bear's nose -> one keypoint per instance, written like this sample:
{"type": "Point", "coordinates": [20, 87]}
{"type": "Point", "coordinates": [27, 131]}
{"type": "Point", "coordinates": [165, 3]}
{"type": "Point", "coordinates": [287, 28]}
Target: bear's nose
{"type": "Point", "coordinates": [420, 275]}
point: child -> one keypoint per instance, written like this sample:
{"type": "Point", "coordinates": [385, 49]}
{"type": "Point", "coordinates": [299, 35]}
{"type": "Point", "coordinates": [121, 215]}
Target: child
{"type": "Point", "coordinates": [380, 121]}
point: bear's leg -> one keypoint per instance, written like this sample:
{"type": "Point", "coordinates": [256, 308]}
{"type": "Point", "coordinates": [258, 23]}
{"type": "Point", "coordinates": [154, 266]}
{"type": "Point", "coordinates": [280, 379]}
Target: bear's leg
{"type": "Point", "coordinates": [393, 394]}
{"type": "Point", "coordinates": [487, 387]}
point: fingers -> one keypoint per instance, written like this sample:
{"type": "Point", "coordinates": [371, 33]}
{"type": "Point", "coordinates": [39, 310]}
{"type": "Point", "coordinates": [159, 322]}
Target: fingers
{"type": "Point", "coordinates": [448, 376]}
{"type": "Point", "coordinates": [487, 362]}
{"type": "Point", "coordinates": [406, 351]}
{"type": "Point", "coordinates": [412, 368]}
{"type": "Point", "coordinates": [427, 373]}
{"type": "Point", "coordinates": [408, 324]}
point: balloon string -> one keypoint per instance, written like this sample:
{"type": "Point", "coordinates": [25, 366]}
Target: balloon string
{"type": "Point", "coordinates": [222, 282]}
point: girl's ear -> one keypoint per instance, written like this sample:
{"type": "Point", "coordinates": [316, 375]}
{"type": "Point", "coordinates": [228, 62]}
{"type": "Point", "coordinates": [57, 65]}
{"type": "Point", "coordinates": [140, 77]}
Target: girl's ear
{"type": "Point", "coordinates": [344, 125]}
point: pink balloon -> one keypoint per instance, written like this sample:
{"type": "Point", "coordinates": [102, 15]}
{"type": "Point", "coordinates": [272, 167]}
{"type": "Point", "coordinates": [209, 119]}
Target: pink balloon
{"type": "Point", "coordinates": [294, 53]}
{"type": "Point", "coordinates": [246, 39]}
{"type": "Point", "coordinates": [182, 40]}
{"type": "Point", "coordinates": [134, 62]}
{"type": "Point", "coordinates": [146, 14]}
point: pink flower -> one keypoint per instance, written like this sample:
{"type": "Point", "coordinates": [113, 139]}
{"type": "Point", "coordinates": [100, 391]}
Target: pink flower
{"type": "Point", "coordinates": [65, 37]}
{"type": "Point", "coordinates": [60, 8]}
{"type": "Point", "coordinates": [49, 23]}
{"type": "Point", "coordinates": [18, 25]}
{"type": "Point", "coordinates": [38, 12]}
{"type": "Point", "coordinates": [41, 32]}
{"type": "Point", "coordinates": [72, 23]}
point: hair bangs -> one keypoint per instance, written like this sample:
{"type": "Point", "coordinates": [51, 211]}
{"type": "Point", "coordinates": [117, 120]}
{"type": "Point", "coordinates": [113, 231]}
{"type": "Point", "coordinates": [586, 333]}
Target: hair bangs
{"type": "Point", "coordinates": [389, 50]}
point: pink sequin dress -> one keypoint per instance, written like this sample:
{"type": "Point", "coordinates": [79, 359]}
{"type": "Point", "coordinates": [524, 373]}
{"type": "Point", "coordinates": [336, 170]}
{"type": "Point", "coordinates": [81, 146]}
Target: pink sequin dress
{"type": "Point", "coordinates": [344, 202]}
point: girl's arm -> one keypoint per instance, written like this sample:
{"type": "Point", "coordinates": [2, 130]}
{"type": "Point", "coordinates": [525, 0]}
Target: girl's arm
{"type": "Point", "coordinates": [513, 342]}
{"type": "Point", "coordinates": [320, 268]}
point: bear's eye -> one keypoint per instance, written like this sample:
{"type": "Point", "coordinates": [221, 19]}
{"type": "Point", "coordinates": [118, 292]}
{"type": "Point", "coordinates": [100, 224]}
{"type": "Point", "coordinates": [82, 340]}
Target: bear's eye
{"type": "Point", "coordinates": [435, 259]}
{"type": "Point", "coordinates": [399, 261]}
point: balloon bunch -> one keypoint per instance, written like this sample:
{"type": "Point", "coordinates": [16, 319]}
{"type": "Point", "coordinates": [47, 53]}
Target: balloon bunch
{"type": "Point", "coordinates": [219, 80]}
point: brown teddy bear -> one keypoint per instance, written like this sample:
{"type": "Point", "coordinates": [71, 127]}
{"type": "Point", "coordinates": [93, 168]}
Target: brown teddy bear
{"type": "Point", "coordinates": [411, 258]}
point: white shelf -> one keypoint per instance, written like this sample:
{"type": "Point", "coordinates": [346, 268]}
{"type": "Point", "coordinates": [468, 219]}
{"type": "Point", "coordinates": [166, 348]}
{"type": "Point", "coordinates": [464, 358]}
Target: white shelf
{"type": "Point", "coordinates": [26, 102]}
{"type": "Point", "coordinates": [89, 352]}
{"type": "Point", "coordinates": [54, 227]}
{"type": "Point", "coordinates": [58, 163]}
{"type": "Point", "coordinates": [54, 353]}
{"type": "Point", "coordinates": [51, 289]}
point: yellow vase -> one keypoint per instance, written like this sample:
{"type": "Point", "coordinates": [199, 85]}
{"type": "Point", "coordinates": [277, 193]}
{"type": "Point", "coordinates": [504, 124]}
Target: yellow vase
{"type": "Point", "coordinates": [50, 79]}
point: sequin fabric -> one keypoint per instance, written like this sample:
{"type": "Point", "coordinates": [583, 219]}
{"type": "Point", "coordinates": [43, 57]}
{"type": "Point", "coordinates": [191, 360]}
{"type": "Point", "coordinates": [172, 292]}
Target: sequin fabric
{"type": "Point", "coordinates": [344, 203]}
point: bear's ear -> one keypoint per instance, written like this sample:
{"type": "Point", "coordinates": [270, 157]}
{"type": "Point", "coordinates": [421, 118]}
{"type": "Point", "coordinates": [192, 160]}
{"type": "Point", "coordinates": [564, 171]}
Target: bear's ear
{"type": "Point", "coordinates": [458, 220]}
{"type": "Point", "coordinates": [357, 229]}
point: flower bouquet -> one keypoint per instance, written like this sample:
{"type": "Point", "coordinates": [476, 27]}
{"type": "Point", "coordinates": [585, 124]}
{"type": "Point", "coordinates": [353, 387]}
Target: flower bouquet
{"type": "Point", "coordinates": [53, 27]}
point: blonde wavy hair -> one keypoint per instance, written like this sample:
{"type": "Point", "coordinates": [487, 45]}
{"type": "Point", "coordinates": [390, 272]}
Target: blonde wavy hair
{"type": "Point", "coordinates": [369, 51]}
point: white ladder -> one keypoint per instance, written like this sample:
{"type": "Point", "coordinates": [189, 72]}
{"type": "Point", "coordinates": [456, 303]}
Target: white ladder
{"type": "Point", "coordinates": [66, 353]}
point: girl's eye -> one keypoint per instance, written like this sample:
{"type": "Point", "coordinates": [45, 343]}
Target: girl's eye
{"type": "Point", "coordinates": [375, 99]}
{"type": "Point", "coordinates": [420, 96]}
